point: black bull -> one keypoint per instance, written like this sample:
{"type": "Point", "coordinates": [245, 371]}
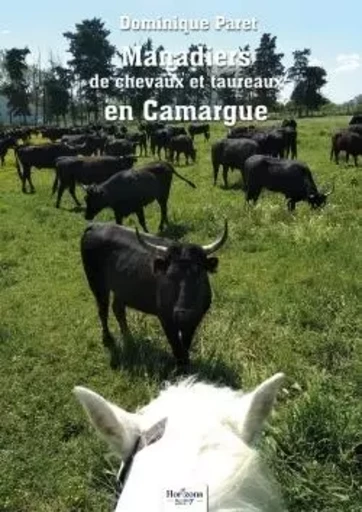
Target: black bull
{"type": "Point", "coordinates": [153, 275]}
{"type": "Point", "coordinates": [293, 179]}
{"type": "Point", "coordinates": [43, 156]}
{"type": "Point", "coordinates": [130, 191]}
{"type": "Point", "coordinates": [86, 171]}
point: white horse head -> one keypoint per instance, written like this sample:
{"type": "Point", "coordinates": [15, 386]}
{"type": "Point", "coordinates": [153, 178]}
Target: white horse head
{"type": "Point", "coordinates": [208, 438]}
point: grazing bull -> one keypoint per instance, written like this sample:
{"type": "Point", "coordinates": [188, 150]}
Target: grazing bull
{"type": "Point", "coordinates": [238, 132]}
{"type": "Point", "coordinates": [160, 140]}
{"type": "Point", "coordinates": [91, 143]}
{"type": "Point", "coordinates": [86, 171]}
{"type": "Point", "coordinates": [291, 178]}
{"type": "Point", "coordinates": [277, 142]}
{"type": "Point", "coordinates": [120, 147]}
{"type": "Point", "coordinates": [129, 191]}
{"type": "Point", "coordinates": [175, 130]}
{"type": "Point", "coordinates": [199, 129]}
{"type": "Point", "coordinates": [349, 142]}
{"type": "Point", "coordinates": [231, 154]}
{"type": "Point", "coordinates": [53, 133]}
{"type": "Point", "coordinates": [153, 275]}
{"type": "Point", "coordinates": [43, 156]}
{"type": "Point", "coordinates": [73, 140]}
{"type": "Point", "coordinates": [150, 127]}
{"type": "Point", "coordinates": [182, 144]}
{"type": "Point", "coordinates": [139, 139]}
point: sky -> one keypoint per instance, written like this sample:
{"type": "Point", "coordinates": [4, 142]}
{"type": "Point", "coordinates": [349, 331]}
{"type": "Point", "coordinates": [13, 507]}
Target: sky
{"type": "Point", "coordinates": [333, 34]}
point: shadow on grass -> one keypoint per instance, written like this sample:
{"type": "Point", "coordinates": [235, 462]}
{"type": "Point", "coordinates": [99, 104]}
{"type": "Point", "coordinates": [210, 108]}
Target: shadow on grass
{"type": "Point", "coordinates": [77, 209]}
{"type": "Point", "coordinates": [239, 185]}
{"type": "Point", "coordinates": [175, 231]}
{"type": "Point", "coordinates": [141, 357]}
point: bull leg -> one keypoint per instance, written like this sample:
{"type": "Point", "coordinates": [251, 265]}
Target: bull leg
{"type": "Point", "coordinates": [225, 171]}
{"type": "Point", "coordinates": [291, 205]}
{"type": "Point", "coordinates": [60, 194]}
{"type": "Point", "coordinates": [102, 297]}
{"type": "Point", "coordinates": [23, 179]}
{"type": "Point", "coordinates": [73, 194]}
{"type": "Point", "coordinates": [187, 336]}
{"type": "Point", "coordinates": [178, 349]}
{"type": "Point", "coordinates": [141, 219]}
{"type": "Point", "coordinates": [164, 216]}
{"type": "Point", "coordinates": [253, 194]}
{"type": "Point", "coordinates": [27, 178]}
{"type": "Point", "coordinates": [216, 172]}
{"type": "Point", "coordinates": [119, 310]}
{"type": "Point", "coordinates": [119, 217]}
{"type": "Point", "coordinates": [187, 159]}
{"type": "Point", "coordinates": [356, 160]}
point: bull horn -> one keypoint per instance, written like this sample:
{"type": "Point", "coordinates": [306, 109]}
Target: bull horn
{"type": "Point", "coordinates": [219, 242]}
{"type": "Point", "coordinates": [149, 245]}
{"type": "Point", "coordinates": [84, 187]}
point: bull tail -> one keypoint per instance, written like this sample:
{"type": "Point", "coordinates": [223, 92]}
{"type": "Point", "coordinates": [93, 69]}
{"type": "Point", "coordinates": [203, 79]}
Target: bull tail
{"type": "Point", "coordinates": [182, 178]}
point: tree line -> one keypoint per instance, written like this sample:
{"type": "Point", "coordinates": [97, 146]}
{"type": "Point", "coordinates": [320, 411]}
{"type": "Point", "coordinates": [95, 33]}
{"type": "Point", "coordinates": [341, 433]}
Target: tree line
{"type": "Point", "coordinates": [59, 93]}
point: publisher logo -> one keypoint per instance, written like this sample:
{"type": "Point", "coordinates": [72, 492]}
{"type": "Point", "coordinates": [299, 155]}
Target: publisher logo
{"type": "Point", "coordinates": [193, 498]}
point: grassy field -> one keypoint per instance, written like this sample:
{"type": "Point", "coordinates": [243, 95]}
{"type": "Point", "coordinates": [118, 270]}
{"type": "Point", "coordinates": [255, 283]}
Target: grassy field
{"type": "Point", "coordinates": [287, 297]}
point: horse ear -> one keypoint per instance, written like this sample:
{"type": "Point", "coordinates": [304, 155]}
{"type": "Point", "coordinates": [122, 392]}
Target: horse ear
{"type": "Point", "coordinates": [117, 427]}
{"type": "Point", "coordinates": [261, 403]}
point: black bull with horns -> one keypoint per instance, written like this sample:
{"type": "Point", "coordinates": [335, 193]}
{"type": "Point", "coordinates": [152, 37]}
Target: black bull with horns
{"type": "Point", "coordinates": [150, 274]}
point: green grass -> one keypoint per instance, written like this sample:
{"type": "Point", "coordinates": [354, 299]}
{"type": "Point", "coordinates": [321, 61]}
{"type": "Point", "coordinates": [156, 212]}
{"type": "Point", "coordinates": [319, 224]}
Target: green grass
{"type": "Point", "coordinates": [287, 297]}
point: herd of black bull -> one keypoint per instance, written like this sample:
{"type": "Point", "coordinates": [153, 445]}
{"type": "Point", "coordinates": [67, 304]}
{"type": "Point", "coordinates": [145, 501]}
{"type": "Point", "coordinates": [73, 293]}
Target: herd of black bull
{"type": "Point", "coordinates": [172, 277]}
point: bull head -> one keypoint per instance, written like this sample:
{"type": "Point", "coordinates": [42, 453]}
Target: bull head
{"type": "Point", "coordinates": [319, 199]}
{"type": "Point", "coordinates": [208, 249]}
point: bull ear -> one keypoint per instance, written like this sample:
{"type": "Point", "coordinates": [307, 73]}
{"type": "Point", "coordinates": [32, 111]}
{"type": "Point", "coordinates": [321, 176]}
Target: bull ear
{"type": "Point", "coordinates": [261, 403]}
{"type": "Point", "coordinates": [116, 426]}
{"type": "Point", "coordinates": [159, 266]}
{"type": "Point", "coordinates": [212, 264]}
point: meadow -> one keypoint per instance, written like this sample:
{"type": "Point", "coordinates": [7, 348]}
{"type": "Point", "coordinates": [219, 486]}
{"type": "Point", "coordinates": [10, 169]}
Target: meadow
{"type": "Point", "coordinates": [287, 297]}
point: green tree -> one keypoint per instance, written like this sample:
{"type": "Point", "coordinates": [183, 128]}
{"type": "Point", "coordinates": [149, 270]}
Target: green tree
{"type": "Point", "coordinates": [57, 86]}
{"type": "Point", "coordinates": [267, 64]}
{"type": "Point", "coordinates": [92, 54]}
{"type": "Point", "coordinates": [15, 86]}
{"type": "Point", "coordinates": [296, 73]}
{"type": "Point", "coordinates": [137, 96]}
{"type": "Point", "coordinates": [189, 95]}
{"type": "Point", "coordinates": [307, 92]}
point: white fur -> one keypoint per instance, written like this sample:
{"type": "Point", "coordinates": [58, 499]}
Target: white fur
{"type": "Point", "coordinates": [208, 439]}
